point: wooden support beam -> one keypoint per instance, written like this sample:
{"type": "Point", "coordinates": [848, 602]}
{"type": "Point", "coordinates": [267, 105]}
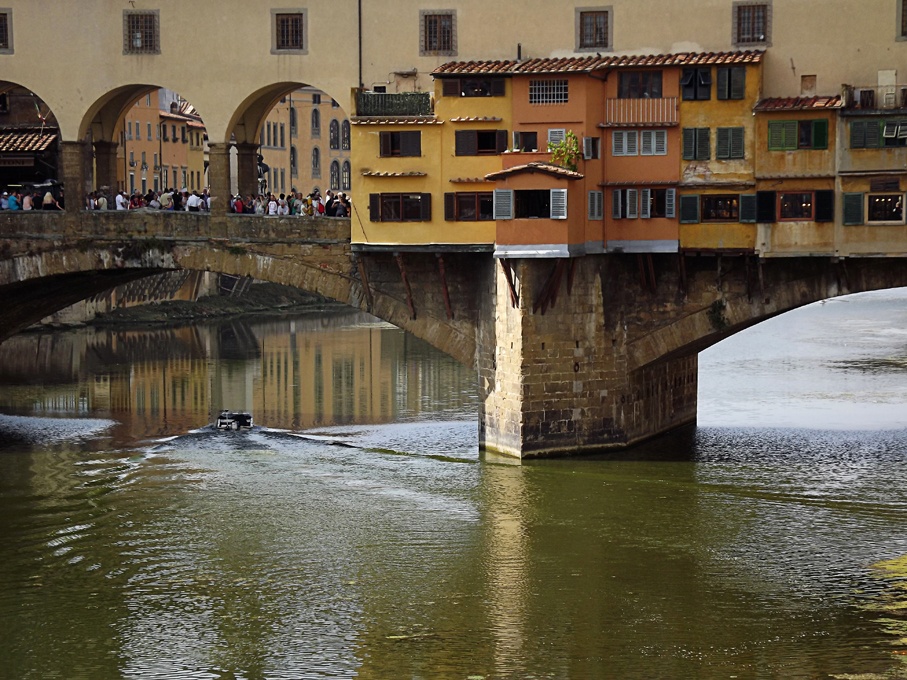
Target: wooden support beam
{"type": "Point", "coordinates": [650, 261]}
{"type": "Point", "coordinates": [444, 289]}
{"type": "Point", "coordinates": [363, 276]}
{"type": "Point", "coordinates": [508, 274]}
{"type": "Point", "coordinates": [570, 274]}
{"type": "Point", "coordinates": [409, 293]}
{"type": "Point", "coordinates": [548, 295]}
{"type": "Point", "coordinates": [682, 272]}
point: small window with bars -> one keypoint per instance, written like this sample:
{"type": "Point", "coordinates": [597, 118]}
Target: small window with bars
{"type": "Point", "coordinates": [593, 29]}
{"type": "Point", "coordinates": [6, 32]}
{"type": "Point", "coordinates": [141, 32]}
{"type": "Point", "coordinates": [752, 23]}
{"type": "Point", "coordinates": [550, 91]}
{"type": "Point", "coordinates": [289, 31]}
{"type": "Point", "coordinates": [438, 32]}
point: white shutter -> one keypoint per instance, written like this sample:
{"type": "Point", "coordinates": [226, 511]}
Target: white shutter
{"type": "Point", "coordinates": [503, 204]}
{"type": "Point", "coordinates": [661, 142]}
{"type": "Point", "coordinates": [587, 147]}
{"type": "Point", "coordinates": [615, 204]}
{"type": "Point", "coordinates": [645, 200]}
{"type": "Point", "coordinates": [632, 203]}
{"type": "Point", "coordinates": [558, 204]}
{"type": "Point", "coordinates": [516, 140]}
{"type": "Point", "coordinates": [632, 143]}
{"type": "Point", "coordinates": [647, 147]}
{"type": "Point", "coordinates": [556, 135]}
{"type": "Point", "coordinates": [596, 205]}
{"type": "Point", "coordinates": [670, 202]}
{"type": "Point", "coordinates": [618, 143]}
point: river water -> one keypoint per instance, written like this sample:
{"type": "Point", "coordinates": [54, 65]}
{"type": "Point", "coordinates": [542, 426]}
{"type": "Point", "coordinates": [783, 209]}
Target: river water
{"type": "Point", "coordinates": [359, 532]}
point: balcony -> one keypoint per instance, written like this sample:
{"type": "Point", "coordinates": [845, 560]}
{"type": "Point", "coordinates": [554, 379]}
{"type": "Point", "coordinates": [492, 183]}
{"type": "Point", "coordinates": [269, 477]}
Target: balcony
{"type": "Point", "coordinates": [648, 111]}
{"type": "Point", "coordinates": [872, 98]}
{"type": "Point", "coordinates": [393, 105]}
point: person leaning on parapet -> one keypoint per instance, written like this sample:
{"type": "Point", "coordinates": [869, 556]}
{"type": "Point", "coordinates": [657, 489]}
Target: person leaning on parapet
{"type": "Point", "coordinates": [4, 201]}
{"type": "Point", "coordinates": [14, 200]}
{"type": "Point", "coordinates": [121, 201]}
{"type": "Point", "coordinates": [101, 202]}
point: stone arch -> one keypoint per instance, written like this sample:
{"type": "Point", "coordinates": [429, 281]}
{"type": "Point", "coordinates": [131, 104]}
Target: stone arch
{"type": "Point", "coordinates": [35, 138]}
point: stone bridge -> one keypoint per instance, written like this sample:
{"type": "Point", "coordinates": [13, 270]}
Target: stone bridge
{"type": "Point", "coordinates": [571, 355]}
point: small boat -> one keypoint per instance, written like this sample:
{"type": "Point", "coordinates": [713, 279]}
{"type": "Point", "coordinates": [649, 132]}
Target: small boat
{"type": "Point", "coordinates": [233, 420]}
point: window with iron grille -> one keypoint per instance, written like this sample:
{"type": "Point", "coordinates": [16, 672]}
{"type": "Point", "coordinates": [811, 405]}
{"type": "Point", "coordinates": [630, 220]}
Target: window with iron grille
{"type": "Point", "coordinates": [593, 27]}
{"type": "Point", "coordinates": [752, 23]}
{"type": "Point", "coordinates": [289, 31]}
{"type": "Point", "coordinates": [141, 32]}
{"type": "Point", "coordinates": [548, 91]}
{"type": "Point", "coordinates": [345, 135]}
{"type": "Point", "coordinates": [6, 32]}
{"type": "Point", "coordinates": [438, 32]}
{"type": "Point", "coordinates": [902, 19]}
{"type": "Point", "coordinates": [345, 176]}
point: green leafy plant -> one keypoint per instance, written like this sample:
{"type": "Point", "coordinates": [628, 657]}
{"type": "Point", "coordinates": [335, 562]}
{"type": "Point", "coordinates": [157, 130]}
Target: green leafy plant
{"type": "Point", "coordinates": [565, 152]}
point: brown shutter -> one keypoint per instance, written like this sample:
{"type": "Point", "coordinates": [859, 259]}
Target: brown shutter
{"type": "Point", "coordinates": [374, 207]}
{"type": "Point", "coordinates": [384, 139]}
{"type": "Point", "coordinates": [466, 143]}
{"type": "Point", "coordinates": [501, 141]}
{"type": "Point", "coordinates": [450, 206]}
{"type": "Point", "coordinates": [498, 86]}
{"type": "Point", "coordinates": [426, 207]}
{"type": "Point", "coordinates": [451, 88]}
{"type": "Point", "coordinates": [410, 143]}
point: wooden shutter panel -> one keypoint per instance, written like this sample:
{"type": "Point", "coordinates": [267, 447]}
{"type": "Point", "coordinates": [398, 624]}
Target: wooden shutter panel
{"type": "Point", "coordinates": [587, 148]}
{"type": "Point", "coordinates": [450, 206]}
{"type": "Point", "coordinates": [858, 134]}
{"type": "Point", "coordinates": [374, 207]}
{"type": "Point", "coordinates": [384, 144]}
{"type": "Point", "coordinates": [747, 210]}
{"type": "Point", "coordinates": [689, 209]}
{"type": "Point", "coordinates": [410, 143]}
{"type": "Point", "coordinates": [647, 147]}
{"type": "Point", "coordinates": [873, 134]}
{"type": "Point", "coordinates": [737, 147]}
{"type": "Point", "coordinates": [738, 82]}
{"type": "Point", "coordinates": [820, 134]}
{"type": "Point", "coordinates": [704, 76]}
{"type": "Point", "coordinates": [775, 135]}
{"type": "Point", "coordinates": [556, 135]}
{"type": "Point", "coordinates": [765, 206]}
{"type": "Point", "coordinates": [632, 142]}
{"type": "Point", "coordinates": [501, 141]}
{"type": "Point", "coordinates": [825, 206]}
{"type": "Point", "coordinates": [723, 77]}
{"type": "Point", "coordinates": [689, 144]}
{"type": "Point", "coordinates": [466, 143]}
{"type": "Point", "coordinates": [670, 203]}
{"type": "Point", "coordinates": [615, 204]}
{"type": "Point", "coordinates": [596, 200]}
{"type": "Point", "coordinates": [703, 144]}
{"type": "Point", "coordinates": [558, 204]}
{"type": "Point", "coordinates": [661, 142]}
{"type": "Point", "coordinates": [853, 209]}
{"type": "Point", "coordinates": [688, 83]}
{"type": "Point", "coordinates": [451, 88]}
{"type": "Point", "coordinates": [498, 86]}
{"type": "Point", "coordinates": [425, 204]}
{"type": "Point", "coordinates": [503, 204]}
{"type": "Point", "coordinates": [632, 203]}
{"type": "Point", "coordinates": [618, 143]}
{"type": "Point", "coordinates": [645, 203]}
{"type": "Point", "coordinates": [723, 143]}
{"type": "Point", "coordinates": [791, 132]}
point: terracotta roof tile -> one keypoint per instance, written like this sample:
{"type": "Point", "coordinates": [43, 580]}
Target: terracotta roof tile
{"type": "Point", "coordinates": [597, 62]}
{"type": "Point", "coordinates": [536, 166]}
{"type": "Point", "coordinates": [26, 140]}
{"type": "Point", "coordinates": [466, 180]}
{"type": "Point", "coordinates": [798, 103]}
{"type": "Point", "coordinates": [476, 119]}
{"type": "Point", "coordinates": [406, 120]}
{"type": "Point", "coordinates": [375, 173]}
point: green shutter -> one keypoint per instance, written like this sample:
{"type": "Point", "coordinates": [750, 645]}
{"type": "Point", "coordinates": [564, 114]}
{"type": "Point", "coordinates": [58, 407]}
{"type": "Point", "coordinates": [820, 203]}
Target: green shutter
{"type": "Point", "coordinates": [737, 147]}
{"type": "Point", "coordinates": [858, 134]}
{"type": "Point", "coordinates": [723, 77]}
{"type": "Point", "coordinates": [776, 135]}
{"type": "Point", "coordinates": [873, 134]}
{"type": "Point", "coordinates": [853, 209]}
{"type": "Point", "coordinates": [791, 134]}
{"type": "Point", "coordinates": [689, 144]}
{"type": "Point", "coordinates": [747, 207]}
{"type": "Point", "coordinates": [723, 143]}
{"type": "Point", "coordinates": [703, 144]}
{"type": "Point", "coordinates": [689, 209]}
{"type": "Point", "coordinates": [738, 82]}
{"type": "Point", "coordinates": [820, 134]}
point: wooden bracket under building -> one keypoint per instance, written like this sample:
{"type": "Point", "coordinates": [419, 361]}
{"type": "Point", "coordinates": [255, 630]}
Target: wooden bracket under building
{"type": "Point", "coordinates": [444, 289]}
{"type": "Point", "coordinates": [409, 292]}
{"type": "Point", "coordinates": [548, 295]}
{"type": "Point", "coordinates": [363, 275]}
{"type": "Point", "coordinates": [508, 274]}
{"type": "Point", "coordinates": [646, 271]}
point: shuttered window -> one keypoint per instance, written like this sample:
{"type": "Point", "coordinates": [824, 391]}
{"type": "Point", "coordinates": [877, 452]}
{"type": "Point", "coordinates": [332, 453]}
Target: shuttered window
{"type": "Point", "coordinates": [729, 143]}
{"type": "Point", "coordinates": [747, 208]}
{"type": "Point", "coordinates": [789, 135]}
{"type": "Point", "coordinates": [558, 204]}
{"type": "Point", "coordinates": [731, 82]}
{"type": "Point", "coordinates": [596, 205]}
{"type": "Point", "coordinates": [399, 207]}
{"type": "Point", "coordinates": [689, 209]}
{"type": "Point", "coordinates": [696, 144]}
{"type": "Point", "coordinates": [400, 143]}
{"type": "Point", "coordinates": [853, 209]}
{"type": "Point", "coordinates": [625, 143]}
{"type": "Point", "coordinates": [503, 204]}
{"type": "Point", "coordinates": [480, 142]}
{"type": "Point", "coordinates": [653, 143]}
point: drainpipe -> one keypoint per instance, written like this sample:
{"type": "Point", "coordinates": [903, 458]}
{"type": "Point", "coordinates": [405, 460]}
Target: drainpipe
{"type": "Point", "coordinates": [360, 44]}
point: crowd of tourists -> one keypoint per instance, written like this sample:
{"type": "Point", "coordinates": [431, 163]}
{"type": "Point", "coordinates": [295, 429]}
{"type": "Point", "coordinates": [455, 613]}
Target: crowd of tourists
{"type": "Point", "coordinates": [294, 203]}
{"type": "Point", "coordinates": [30, 200]}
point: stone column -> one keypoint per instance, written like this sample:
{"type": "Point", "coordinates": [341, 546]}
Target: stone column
{"type": "Point", "coordinates": [247, 168]}
{"type": "Point", "coordinates": [105, 160]}
{"type": "Point", "coordinates": [73, 172]}
{"type": "Point", "coordinates": [559, 381]}
{"type": "Point", "coordinates": [219, 177]}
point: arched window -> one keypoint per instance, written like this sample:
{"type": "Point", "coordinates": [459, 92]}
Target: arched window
{"type": "Point", "coordinates": [345, 176]}
{"type": "Point", "coordinates": [294, 170]}
{"type": "Point", "coordinates": [292, 121]}
{"type": "Point", "coordinates": [335, 134]}
{"type": "Point", "coordinates": [316, 162]}
{"type": "Point", "coordinates": [335, 175]}
{"type": "Point", "coordinates": [345, 135]}
{"type": "Point", "coordinates": [316, 123]}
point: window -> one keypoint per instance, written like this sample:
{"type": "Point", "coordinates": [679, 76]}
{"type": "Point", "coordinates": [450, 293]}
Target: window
{"type": "Point", "coordinates": [400, 144]}
{"type": "Point", "coordinates": [788, 135]}
{"type": "Point", "coordinates": [653, 143]}
{"type": "Point", "coordinates": [345, 176]}
{"type": "Point", "coordinates": [902, 19]}
{"type": "Point", "coordinates": [549, 91]}
{"type": "Point", "coordinates": [294, 169]}
{"type": "Point", "coordinates": [525, 141]}
{"type": "Point", "coordinates": [316, 99]}
{"type": "Point", "coordinates": [591, 148]}
{"type": "Point", "coordinates": [593, 29]}
{"type": "Point", "coordinates": [751, 23]}
{"type": "Point", "coordinates": [289, 31]}
{"type": "Point", "coordinates": [720, 208]}
{"type": "Point", "coordinates": [696, 83]}
{"type": "Point", "coordinates": [625, 204]}
{"type": "Point", "coordinates": [292, 121]}
{"type": "Point", "coordinates": [729, 143]}
{"type": "Point", "coordinates": [885, 208]}
{"type": "Point", "coordinates": [469, 206]}
{"type": "Point", "coordinates": [480, 142]}
{"type": "Point", "coordinates": [643, 203]}
{"type": "Point", "coordinates": [345, 135]}
{"type": "Point", "coordinates": [639, 85]}
{"type": "Point", "coordinates": [335, 175]}
{"type": "Point", "coordinates": [438, 32]}
{"type": "Point", "coordinates": [530, 204]}
{"type": "Point", "coordinates": [173, 130]}
{"type": "Point", "coordinates": [164, 132]}
{"type": "Point", "coordinates": [334, 135]}
{"type": "Point", "coordinates": [556, 135]}
{"type": "Point", "coordinates": [141, 32]}
{"type": "Point", "coordinates": [731, 82]}
{"type": "Point", "coordinates": [596, 205]}
{"type": "Point", "coordinates": [473, 87]}
{"type": "Point", "coordinates": [149, 132]}
{"type": "Point", "coordinates": [183, 134]}
{"type": "Point", "coordinates": [334, 104]}
{"type": "Point", "coordinates": [399, 207]}
{"type": "Point", "coordinates": [696, 144]}
{"type": "Point", "coordinates": [128, 129]}
{"type": "Point", "coordinates": [6, 31]}
{"type": "Point", "coordinates": [624, 143]}
{"type": "Point", "coordinates": [283, 137]}
{"type": "Point", "coordinates": [268, 128]}
{"type": "Point", "coordinates": [316, 123]}
{"type": "Point", "coordinates": [795, 206]}
{"type": "Point", "coordinates": [316, 163]}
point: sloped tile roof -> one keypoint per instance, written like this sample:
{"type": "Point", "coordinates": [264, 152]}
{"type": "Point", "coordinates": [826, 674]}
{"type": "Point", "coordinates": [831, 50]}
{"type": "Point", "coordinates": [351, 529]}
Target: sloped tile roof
{"type": "Point", "coordinates": [26, 140]}
{"type": "Point", "coordinates": [798, 103]}
{"type": "Point", "coordinates": [413, 120]}
{"type": "Point", "coordinates": [376, 173]}
{"type": "Point", "coordinates": [536, 166]}
{"type": "Point", "coordinates": [597, 62]}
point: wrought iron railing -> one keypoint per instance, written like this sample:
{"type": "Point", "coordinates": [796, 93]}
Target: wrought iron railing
{"type": "Point", "coordinates": [396, 104]}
